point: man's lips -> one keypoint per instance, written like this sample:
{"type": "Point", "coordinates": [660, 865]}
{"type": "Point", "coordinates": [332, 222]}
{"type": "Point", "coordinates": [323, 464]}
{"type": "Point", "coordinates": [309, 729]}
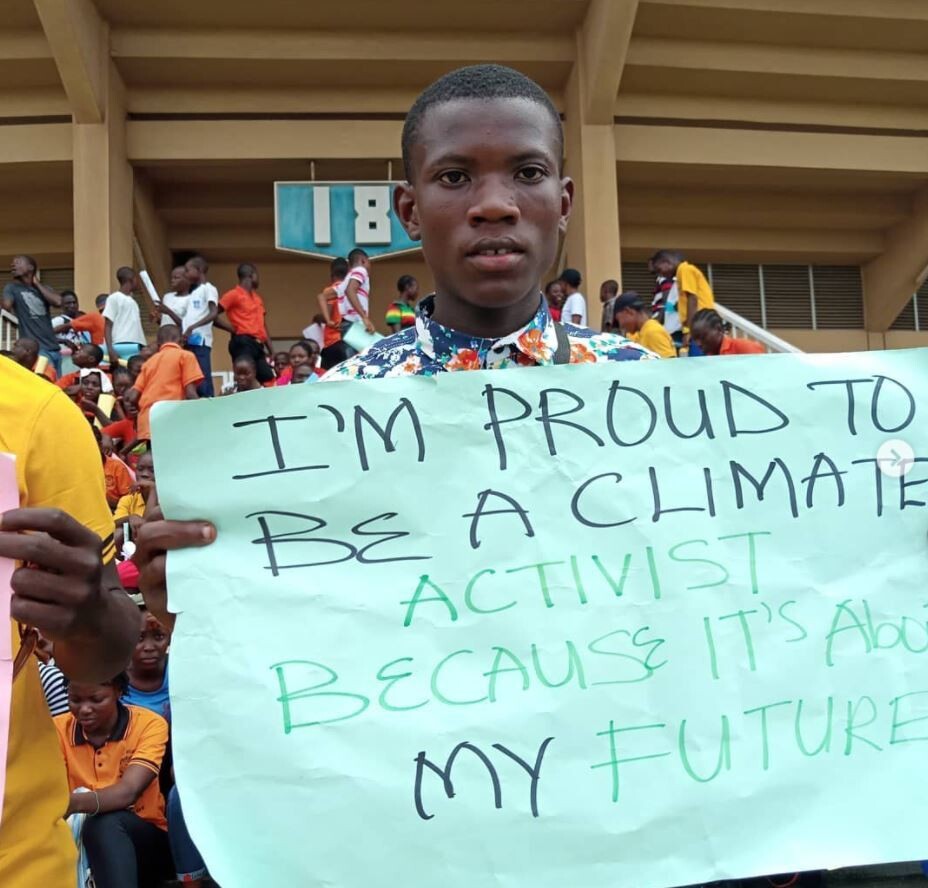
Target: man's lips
{"type": "Point", "coordinates": [495, 255]}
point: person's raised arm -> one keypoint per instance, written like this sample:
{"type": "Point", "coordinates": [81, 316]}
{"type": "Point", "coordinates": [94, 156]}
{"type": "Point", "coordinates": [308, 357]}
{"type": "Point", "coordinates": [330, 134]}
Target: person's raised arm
{"type": "Point", "coordinates": [52, 297]}
{"type": "Point", "coordinates": [351, 294]}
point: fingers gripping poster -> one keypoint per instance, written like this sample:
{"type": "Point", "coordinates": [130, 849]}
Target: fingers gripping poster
{"type": "Point", "coordinates": [639, 624]}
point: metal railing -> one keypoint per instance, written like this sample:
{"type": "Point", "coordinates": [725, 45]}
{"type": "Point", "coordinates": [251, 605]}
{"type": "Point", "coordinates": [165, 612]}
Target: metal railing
{"type": "Point", "coordinates": [9, 330]}
{"type": "Point", "coordinates": [743, 328]}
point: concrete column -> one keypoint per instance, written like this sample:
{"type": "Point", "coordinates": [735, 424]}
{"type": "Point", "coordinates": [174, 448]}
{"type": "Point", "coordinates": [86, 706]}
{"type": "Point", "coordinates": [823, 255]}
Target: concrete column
{"type": "Point", "coordinates": [102, 196]}
{"type": "Point", "coordinates": [592, 244]}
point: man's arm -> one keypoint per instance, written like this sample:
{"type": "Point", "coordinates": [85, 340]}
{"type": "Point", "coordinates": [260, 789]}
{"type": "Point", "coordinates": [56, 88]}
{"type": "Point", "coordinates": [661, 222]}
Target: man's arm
{"type": "Point", "coordinates": [163, 309]}
{"type": "Point", "coordinates": [223, 323]}
{"type": "Point", "coordinates": [324, 308]}
{"type": "Point", "coordinates": [691, 304]}
{"type": "Point", "coordinates": [108, 339]}
{"type": "Point", "coordinates": [210, 317]}
{"type": "Point", "coordinates": [351, 294]}
{"type": "Point", "coordinates": [190, 391]}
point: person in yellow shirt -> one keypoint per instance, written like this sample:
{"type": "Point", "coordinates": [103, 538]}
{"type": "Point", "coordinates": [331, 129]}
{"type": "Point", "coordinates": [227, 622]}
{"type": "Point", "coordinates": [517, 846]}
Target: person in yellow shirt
{"type": "Point", "coordinates": [67, 589]}
{"type": "Point", "coordinates": [695, 292]}
{"type": "Point", "coordinates": [131, 508]}
{"type": "Point", "coordinates": [636, 323]}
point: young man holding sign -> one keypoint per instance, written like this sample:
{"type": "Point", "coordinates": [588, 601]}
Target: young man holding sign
{"type": "Point", "coordinates": [483, 149]}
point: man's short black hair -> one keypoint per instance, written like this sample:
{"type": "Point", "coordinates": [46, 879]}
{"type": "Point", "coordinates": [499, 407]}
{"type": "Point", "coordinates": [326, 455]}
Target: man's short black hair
{"type": "Point", "coordinates": [124, 274]}
{"type": "Point", "coordinates": [245, 269]}
{"type": "Point", "coordinates": [629, 299]}
{"type": "Point", "coordinates": [404, 281]}
{"type": "Point", "coordinates": [571, 277]}
{"type": "Point", "coordinates": [611, 286]}
{"type": "Point", "coordinates": [666, 256]}
{"type": "Point", "coordinates": [97, 353]}
{"type": "Point", "coordinates": [101, 297]}
{"type": "Point", "coordinates": [355, 255]}
{"type": "Point", "coordinates": [338, 268]}
{"type": "Point", "coordinates": [135, 360]}
{"type": "Point", "coordinates": [480, 83]}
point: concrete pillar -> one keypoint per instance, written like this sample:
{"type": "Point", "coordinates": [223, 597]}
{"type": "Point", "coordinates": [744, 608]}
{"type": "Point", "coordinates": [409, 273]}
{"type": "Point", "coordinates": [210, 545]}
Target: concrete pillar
{"type": "Point", "coordinates": [592, 243]}
{"type": "Point", "coordinates": [102, 196]}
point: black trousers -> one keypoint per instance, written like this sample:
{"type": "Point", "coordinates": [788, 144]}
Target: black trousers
{"type": "Point", "coordinates": [241, 344]}
{"type": "Point", "coordinates": [125, 851]}
{"type": "Point", "coordinates": [334, 355]}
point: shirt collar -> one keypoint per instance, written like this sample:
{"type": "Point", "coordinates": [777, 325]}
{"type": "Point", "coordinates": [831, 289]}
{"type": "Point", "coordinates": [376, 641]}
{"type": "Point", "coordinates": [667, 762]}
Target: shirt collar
{"type": "Point", "coordinates": [118, 732]}
{"type": "Point", "coordinates": [169, 345]}
{"type": "Point", "coordinates": [534, 343]}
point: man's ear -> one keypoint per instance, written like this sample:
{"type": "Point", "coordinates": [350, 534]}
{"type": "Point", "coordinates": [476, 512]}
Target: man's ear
{"type": "Point", "coordinates": [404, 205]}
{"type": "Point", "coordinates": [567, 202]}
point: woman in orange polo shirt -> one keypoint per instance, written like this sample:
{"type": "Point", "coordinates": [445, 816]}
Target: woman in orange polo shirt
{"type": "Point", "coordinates": [113, 755]}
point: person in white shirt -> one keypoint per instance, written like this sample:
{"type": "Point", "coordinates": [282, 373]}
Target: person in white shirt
{"type": "Point", "coordinates": [354, 292]}
{"type": "Point", "coordinates": [574, 308]}
{"type": "Point", "coordinates": [173, 306]}
{"type": "Point", "coordinates": [122, 321]}
{"type": "Point", "coordinates": [202, 309]}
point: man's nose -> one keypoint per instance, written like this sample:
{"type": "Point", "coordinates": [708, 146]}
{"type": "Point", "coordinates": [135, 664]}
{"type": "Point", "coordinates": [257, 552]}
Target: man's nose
{"type": "Point", "coordinates": [494, 201]}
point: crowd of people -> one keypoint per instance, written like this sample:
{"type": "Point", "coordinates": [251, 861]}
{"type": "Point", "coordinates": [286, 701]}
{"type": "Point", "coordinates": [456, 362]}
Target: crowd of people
{"type": "Point", "coordinates": [101, 656]}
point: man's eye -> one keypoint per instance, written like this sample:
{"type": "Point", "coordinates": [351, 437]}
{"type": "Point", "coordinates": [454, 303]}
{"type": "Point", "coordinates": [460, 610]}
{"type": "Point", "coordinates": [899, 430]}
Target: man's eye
{"type": "Point", "coordinates": [532, 173]}
{"type": "Point", "coordinates": [453, 177]}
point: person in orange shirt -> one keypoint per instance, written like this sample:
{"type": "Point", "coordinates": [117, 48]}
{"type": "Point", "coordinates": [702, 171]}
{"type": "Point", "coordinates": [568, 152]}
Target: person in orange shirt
{"type": "Point", "coordinates": [333, 348]}
{"type": "Point", "coordinates": [26, 353]}
{"type": "Point", "coordinates": [708, 330]}
{"type": "Point", "coordinates": [245, 320]}
{"type": "Point", "coordinates": [91, 323]}
{"type": "Point", "coordinates": [113, 754]}
{"type": "Point", "coordinates": [118, 477]}
{"type": "Point", "coordinates": [171, 375]}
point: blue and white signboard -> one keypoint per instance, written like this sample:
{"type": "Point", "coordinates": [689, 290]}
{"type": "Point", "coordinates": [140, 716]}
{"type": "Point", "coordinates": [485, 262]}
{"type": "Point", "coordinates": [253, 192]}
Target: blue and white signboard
{"type": "Point", "coordinates": [329, 219]}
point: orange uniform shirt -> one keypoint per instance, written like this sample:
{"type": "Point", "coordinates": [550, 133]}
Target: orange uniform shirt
{"type": "Point", "coordinates": [732, 346]}
{"type": "Point", "coordinates": [164, 378]}
{"type": "Point", "coordinates": [246, 312]}
{"type": "Point", "coordinates": [139, 738]}
{"type": "Point", "coordinates": [119, 478]}
{"type": "Point", "coordinates": [91, 323]}
{"type": "Point", "coordinates": [331, 335]}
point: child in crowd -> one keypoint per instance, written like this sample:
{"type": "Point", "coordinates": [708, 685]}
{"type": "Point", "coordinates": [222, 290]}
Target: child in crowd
{"type": "Point", "coordinates": [25, 352]}
{"type": "Point", "coordinates": [130, 510]}
{"type": "Point", "coordinates": [303, 373]}
{"type": "Point", "coordinates": [113, 754]}
{"type": "Point", "coordinates": [201, 310]}
{"type": "Point", "coordinates": [92, 323]}
{"type": "Point", "coordinates": [305, 352]}
{"type": "Point", "coordinates": [402, 313]}
{"type": "Point", "coordinates": [708, 331]}
{"type": "Point", "coordinates": [354, 292]}
{"type": "Point", "coordinates": [95, 397]}
{"type": "Point", "coordinates": [86, 357]}
{"type": "Point", "coordinates": [554, 295]}
{"type": "Point", "coordinates": [118, 476]}
{"type": "Point", "coordinates": [148, 669]}
{"type": "Point", "coordinates": [171, 375]}
{"type": "Point", "coordinates": [245, 374]}
{"type": "Point", "coordinates": [122, 320]}
{"type": "Point", "coordinates": [134, 365]}
{"type": "Point", "coordinates": [334, 350]}
{"type": "Point", "coordinates": [281, 365]}
{"type": "Point", "coordinates": [634, 319]}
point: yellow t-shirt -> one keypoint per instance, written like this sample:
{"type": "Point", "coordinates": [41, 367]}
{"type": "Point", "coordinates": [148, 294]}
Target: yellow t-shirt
{"type": "Point", "coordinates": [654, 337]}
{"type": "Point", "coordinates": [130, 504]}
{"type": "Point", "coordinates": [40, 424]}
{"type": "Point", "coordinates": [691, 280]}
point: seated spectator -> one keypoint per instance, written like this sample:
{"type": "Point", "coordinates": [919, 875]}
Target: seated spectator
{"type": "Point", "coordinates": [171, 375]}
{"type": "Point", "coordinates": [281, 364]}
{"type": "Point", "coordinates": [87, 357]}
{"type": "Point", "coordinates": [402, 313]}
{"type": "Point", "coordinates": [148, 669]}
{"type": "Point", "coordinates": [303, 373]}
{"type": "Point", "coordinates": [124, 432]}
{"type": "Point", "coordinates": [334, 350]}
{"type": "Point", "coordinates": [81, 323]}
{"type": "Point", "coordinates": [96, 399]}
{"type": "Point", "coordinates": [708, 331]}
{"type": "Point", "coordinates": [113, 754]}
{"type": "Point", "coordinates": [637, 324]}
{"type": "Point", "coordinates": [122, 382]}
{"type": "Point", "coordinates": [554, 296]}
{"type": "Point", "coordinates": [118, 476]}
{"type": "Point", "coordinates": [245, 374]}
{"type": "Point", "coordinates": [131, 508]}
{"type": "Point", "coordinates": [134, 365]}
{"type": "Point", "coordinates": [26, 353]}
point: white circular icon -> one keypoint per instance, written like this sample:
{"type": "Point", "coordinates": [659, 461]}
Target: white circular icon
{"type": "Point", "coordinates": [895, 457]}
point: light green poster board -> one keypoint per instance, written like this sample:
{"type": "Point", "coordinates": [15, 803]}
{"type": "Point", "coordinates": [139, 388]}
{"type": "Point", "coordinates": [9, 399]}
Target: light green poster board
{"type": "Point", "coordinates": [641, 624]}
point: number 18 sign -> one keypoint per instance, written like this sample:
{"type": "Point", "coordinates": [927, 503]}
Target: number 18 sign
{"type": "Point", "coordinates": [329, 219]}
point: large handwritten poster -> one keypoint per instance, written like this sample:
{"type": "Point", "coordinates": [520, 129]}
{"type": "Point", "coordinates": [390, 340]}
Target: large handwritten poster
{"type": "Point", "coordinates": [641, 624]}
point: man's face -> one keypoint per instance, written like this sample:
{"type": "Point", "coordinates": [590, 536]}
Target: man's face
{"type": "Point", "coordinates": [709, 339]}
{"type": "Point", "coordinates": [69, 304]}
{"type": "Point", "coordinates": [178, 278]}
{"type": "Point", "coordinates": [605, 294]}
{"type": "Point", "coordinates": [628, 320]}
{"type": "Point", "coordinates": [83, 358]}
{"type": "Point", "coordinates": [20, 267]}
{"type": "Point", "coordinates": [301, 374]}
{"type": "Point", "coordinates": [145, 471]}
{"type": "Point", "coordinates": [193, 274]}
{"type": "Point", "coordinates": [91, 386]}
{"type": "Point", "coordinates": [664, 268]}
{"type": "Point", "coordinates": [281, 362]}
{"type": "Point", "coordinates": [487, 199]}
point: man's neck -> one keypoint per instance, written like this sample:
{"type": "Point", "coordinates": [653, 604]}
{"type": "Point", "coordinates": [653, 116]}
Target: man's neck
{"type": "Point", "coordinates": [27, 280]}
{"type": "Point", "coordinates": [125, 291]}
{"type": "Point", "coordinates": [248, 288]}
{"type": "Point", "coordinates": [475, 320]}
{"type": "Point", "coordinates": [146, 681]}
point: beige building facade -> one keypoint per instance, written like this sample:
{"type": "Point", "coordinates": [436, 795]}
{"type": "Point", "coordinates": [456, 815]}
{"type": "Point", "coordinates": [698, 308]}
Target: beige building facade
{"type": "Point", "coordinates": [782, 144]}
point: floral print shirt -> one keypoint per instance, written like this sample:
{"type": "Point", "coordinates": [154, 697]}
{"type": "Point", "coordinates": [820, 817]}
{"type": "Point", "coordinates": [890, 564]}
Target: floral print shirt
{"type": "Point", "coordinates": [429, 348]}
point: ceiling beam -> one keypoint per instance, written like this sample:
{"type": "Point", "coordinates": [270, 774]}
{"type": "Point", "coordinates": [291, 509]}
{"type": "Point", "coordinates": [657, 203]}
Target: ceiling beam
{"type": "Point", "coordinates": [763, 148]}
{"type": "Point", "coordinates": [78, 38]}
{"type": "Point", "coordinates": [891, 10]}
{"type": "Point", "coordinates": [603, 42]}
{"type": "Point", "coordinates": [345, 45]}
{"type": "Point", "coordinates": [19, 45]}
{"type": "Point", "coordinates": [186, 140]}
{"type": "Point", "coordinates": [35, 143]}
{"type": "Point", "coordinates": [758, 58]}
{"type": "Point", "coordinates": [892, 277]}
